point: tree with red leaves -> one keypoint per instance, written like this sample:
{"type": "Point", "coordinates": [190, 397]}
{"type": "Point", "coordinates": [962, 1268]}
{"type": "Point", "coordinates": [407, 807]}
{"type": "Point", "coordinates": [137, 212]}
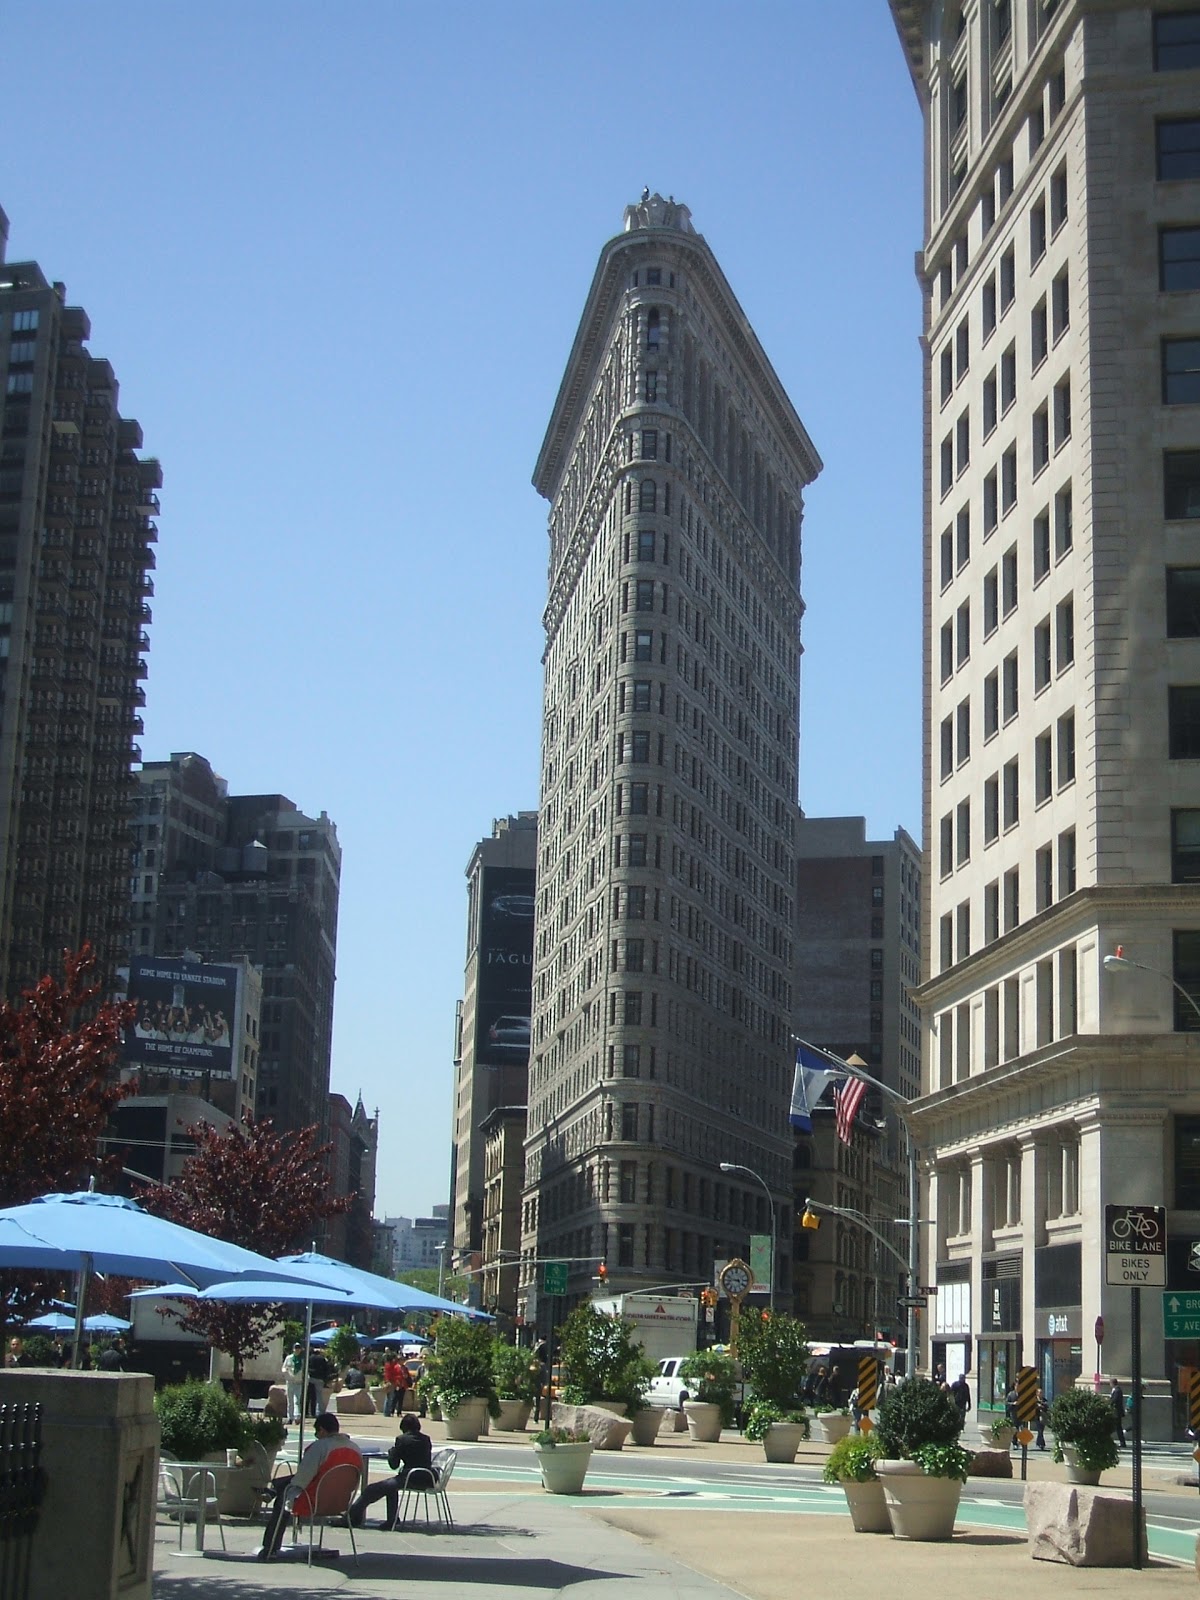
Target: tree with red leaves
{"type": "Point", "coordinates": [57, 1089]}
{"type": "Point", "coordinates": [257, 1188]}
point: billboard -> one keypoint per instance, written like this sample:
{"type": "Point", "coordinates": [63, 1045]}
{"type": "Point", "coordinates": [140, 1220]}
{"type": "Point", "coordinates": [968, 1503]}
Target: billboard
{"type": "Point", "coordinates": [505, 987]}
{"type": "Point", "coordinates": [186, 1019]}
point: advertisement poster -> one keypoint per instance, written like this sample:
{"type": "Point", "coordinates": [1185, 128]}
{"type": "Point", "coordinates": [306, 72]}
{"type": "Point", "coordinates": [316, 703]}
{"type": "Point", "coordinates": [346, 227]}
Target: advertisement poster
{"type": "Point", "coordinates": [505, 967]}
{"type": "Point", "coordinates": [187, 1013]}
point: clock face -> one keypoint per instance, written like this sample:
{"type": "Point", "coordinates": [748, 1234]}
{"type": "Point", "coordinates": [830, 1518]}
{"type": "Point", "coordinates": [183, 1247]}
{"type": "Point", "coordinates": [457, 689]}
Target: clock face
{"type": "Point", "coordinates": [735, 1280]}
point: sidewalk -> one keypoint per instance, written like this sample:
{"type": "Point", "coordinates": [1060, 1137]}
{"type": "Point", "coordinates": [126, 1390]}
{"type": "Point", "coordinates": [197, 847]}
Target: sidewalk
{"type": "Point", "coordinates": [516, 1538]}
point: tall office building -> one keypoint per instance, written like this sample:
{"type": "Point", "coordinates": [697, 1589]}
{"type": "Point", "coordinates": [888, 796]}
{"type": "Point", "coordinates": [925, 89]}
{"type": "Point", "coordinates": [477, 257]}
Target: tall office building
{"type": "Point", "coordinates": [491, 1058]}
{"type": "Point", "coordinates": [1062, 684]}
{"type": "Point", "coordinates": [229, 876]}
{"type": "Point", "coordinates": [675, 468]}
{"type": "Point", "coordinates": [77, 510]}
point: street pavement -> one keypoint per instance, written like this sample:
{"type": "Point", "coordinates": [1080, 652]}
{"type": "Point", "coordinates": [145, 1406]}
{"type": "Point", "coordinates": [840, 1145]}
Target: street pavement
{"type": "Point", "coordinates": [511, 1537]}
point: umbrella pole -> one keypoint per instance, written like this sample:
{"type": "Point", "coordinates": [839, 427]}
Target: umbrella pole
{"type": "Point", "coordinates": [308, 1316]}
{"type": "Point", "coordinates": [85, 1269]}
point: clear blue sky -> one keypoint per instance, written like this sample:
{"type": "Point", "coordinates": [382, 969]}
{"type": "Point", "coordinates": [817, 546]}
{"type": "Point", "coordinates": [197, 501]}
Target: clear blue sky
{"type": "Point", "coordinates": [337, 256]}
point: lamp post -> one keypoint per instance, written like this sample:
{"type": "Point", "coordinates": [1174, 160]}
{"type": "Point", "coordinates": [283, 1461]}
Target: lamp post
{"type": "Point", "coordinates": [1120, 962]}
{"type": "Point", "coordinates": [734, 1166]}
{"type": "Point", "coordinates": [441, 1255]}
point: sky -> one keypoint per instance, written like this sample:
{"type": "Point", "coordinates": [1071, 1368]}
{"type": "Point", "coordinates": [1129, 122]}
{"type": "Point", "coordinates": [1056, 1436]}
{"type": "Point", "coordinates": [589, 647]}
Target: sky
{"type": "Point", "coordinates": [337, 256]}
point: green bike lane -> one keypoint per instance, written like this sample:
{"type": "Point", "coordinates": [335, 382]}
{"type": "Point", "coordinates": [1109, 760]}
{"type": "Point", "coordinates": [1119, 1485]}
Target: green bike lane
{"type": "Point", "coordinates": [652, 1492]}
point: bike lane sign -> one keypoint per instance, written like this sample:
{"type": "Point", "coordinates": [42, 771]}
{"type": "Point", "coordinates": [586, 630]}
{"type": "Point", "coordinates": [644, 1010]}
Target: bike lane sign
{"type": "Point", "coordinates": [1135, 1246]}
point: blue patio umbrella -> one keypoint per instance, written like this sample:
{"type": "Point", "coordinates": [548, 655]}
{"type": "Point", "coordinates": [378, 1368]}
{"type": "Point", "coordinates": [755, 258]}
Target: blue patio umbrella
{"type": "Point", "coordinates": [392, 1294]}
{"type": "Point", "coordinates": [397, 1336]}
{"type": "Point", "coordinates": [52, 1322]}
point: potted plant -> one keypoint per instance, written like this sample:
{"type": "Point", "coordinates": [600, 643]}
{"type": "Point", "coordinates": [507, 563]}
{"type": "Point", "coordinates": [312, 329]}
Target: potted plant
{"type": "Point", "coordinates": [341, 1349]}
{"type": "Point", "coordinates": [458, 1377]}
{"type": "Point", "coordinates": [1083, 1425]}
{"type": "Point", "coordinates": [199, 1420]}
{"type": "Point", "coordinates": [851, 1463]}
{"type": "Point", "coordinates": [712, 1377]}
{"type": "Point", "coordinates": [778, 1429]}
{"type": "Point", "coordinates": [515, 1373]}
{"type": "Point", "coordinates": [603, 1365]}
{"type": "Point", "coordinates": [563, 1457]}
{"type": "Point", "coordinates": [921, 1464]}
{"type": "Point", "coordinates": [833, 1421]}
{"type": "Point", "coordinates": [1000, 1433]}
{"type": "Point", "coordinates": [773, 1350]}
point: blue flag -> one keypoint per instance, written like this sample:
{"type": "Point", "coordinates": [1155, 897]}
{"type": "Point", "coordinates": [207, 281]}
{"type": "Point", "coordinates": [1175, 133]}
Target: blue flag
{"type": "Point", "coordinates": [814, 1072]}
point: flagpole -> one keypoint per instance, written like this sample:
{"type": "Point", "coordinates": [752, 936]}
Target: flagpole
{"type": "Point", "coordinates": [914, 1239]}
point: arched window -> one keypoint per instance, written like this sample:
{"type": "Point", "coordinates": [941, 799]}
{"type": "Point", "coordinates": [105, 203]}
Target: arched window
{"type": "Point", "coordinates": [647, 495]}
{"type": "Point", "coordinates": [652, 330]}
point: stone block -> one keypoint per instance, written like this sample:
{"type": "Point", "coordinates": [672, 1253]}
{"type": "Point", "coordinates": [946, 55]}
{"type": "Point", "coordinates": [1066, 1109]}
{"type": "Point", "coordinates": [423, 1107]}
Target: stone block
{"type": "Point", "coordinates": [276, 1401]}
{"type": "Point", "coordinates": [353, 1403]}
{"type": "Point", "coordinates": [606, 1431]}
{"type": "Point", "coordinates": [1081, 1527]}
{"type": "Point", "coordinates": [991, 1464]}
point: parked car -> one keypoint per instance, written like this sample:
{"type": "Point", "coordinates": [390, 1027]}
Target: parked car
{"type": "Point", "coordinates": [667, 1388]}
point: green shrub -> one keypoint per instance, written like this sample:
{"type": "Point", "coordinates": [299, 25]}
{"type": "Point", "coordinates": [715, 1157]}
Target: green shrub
{"type": "Point", "coordinates": [266, 1429]}
{"type": "Point", "coordinates": [915, 1413]}
{"type": "Point", "coordinates": [39, 1351]}
{"type": "Point", "coordinates": [943, 1461]}
{"type": "Point", "coordinates": [459, 1366]}
{"type": "Point", "coordinates": [601, 1360]}
{"type": "Point", "coordinates": [762, 1413]}
{"type": "Point", "coordinates": [198, 1418]}
{"type": "Point", "coordinates": [342, 1348]}
{"type": "Point", "coordinates": [1086, 1422]}
{"type": "Point", "coordinates": [515, 1371]}
{"type": "Point", "coordinates": [549, 1437]}
{"type": "Point", "coordinates": [712, 1377]}
{"type": "Point", "coordinates": [773, 1351]}
{"type": "Point", "coordinates": [852, 1460]}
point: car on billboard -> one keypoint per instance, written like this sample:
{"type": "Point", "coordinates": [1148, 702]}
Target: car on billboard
{"type": "Point", "coordinates": [517, 906]}
{"type": "Point", "coordinates": [510, 1035]}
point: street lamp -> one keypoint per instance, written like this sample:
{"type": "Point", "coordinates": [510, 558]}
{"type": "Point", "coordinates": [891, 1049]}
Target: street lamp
{"type": "Point", "coordinates": [734, 1166]}
{"type": "Point", "coordinates": [441, 1255]}
{"type": "Point", "coordinates": [1120, 962]}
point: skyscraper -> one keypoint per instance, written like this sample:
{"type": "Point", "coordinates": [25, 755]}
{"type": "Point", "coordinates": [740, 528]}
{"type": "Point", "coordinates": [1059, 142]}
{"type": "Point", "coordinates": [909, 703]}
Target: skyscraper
{"type": "Point", "coordinates": [77, 510]}
{"type": "Point", "coordinates": [1062, 683]}
{"type": "Point", "coordinates": [675, 468]}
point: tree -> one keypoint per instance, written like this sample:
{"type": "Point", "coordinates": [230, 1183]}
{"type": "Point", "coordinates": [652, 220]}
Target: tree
{"type": "Point", "coordinates": [257, 1188]}
{"type": "Point", "coordinates": [57, 1089]}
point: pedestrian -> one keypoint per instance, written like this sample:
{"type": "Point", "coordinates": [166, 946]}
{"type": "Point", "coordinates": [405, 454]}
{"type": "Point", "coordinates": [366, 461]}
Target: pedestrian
{"type": "Point", "coordinates": [960, 1391]}
{"type": "Point", "coordinates": [1116, 1397]}
{"type": "Point", "coordinates": [293, 1381]}
{"type": "Point", "coordinates": [1043, 1412]}
{"type": "Point", "coordinates": [393, 1400]}
{"type": "Point", "coordinates": [318, 1380]}
{"type": "Point", "coordinates": [112, 1359]}
{"type": "Point", "coordinates": [856, 1414]}
{"type": "Point", "coordinates": [835, 1389]}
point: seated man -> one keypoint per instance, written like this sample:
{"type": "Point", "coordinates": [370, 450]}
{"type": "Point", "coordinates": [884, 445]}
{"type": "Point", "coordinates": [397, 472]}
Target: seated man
{"type": "Point", "coordinates": [411, 1449]}
{"type": "Point", "coordinates": [328, 1449]}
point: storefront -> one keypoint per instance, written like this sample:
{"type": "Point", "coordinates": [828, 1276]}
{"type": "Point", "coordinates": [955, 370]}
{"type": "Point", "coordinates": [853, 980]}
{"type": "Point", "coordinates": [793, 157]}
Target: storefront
{"type": "Point", "coordinates": [1058, 1316]}
{"type": "Point", "coordinates": [999, 1337]}
{"type": "Point", "coordinates": [950, 1343]}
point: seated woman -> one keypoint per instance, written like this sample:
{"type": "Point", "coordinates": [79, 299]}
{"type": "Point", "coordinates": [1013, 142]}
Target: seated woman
{"type": "Point", "coordinates": [411, 1449]}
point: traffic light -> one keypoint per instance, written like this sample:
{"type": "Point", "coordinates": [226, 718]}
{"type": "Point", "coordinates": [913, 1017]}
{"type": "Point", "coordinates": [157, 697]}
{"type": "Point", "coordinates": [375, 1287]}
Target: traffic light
{"type": "Point", "coordinates": [602, 1272]}
{"type": "Point", "coordinates": [810, 1219]}
{"type": "Point", "coordinates": [708, 1297]}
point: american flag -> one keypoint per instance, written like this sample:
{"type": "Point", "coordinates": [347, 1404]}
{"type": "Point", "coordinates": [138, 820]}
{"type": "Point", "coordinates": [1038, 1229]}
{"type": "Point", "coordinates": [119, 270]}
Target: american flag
{"type": "Point", "coordinates": [847, 1099]}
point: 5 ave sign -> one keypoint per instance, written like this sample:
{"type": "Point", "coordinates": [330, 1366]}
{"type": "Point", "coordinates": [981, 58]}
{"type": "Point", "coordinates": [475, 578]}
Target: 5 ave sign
{"type": "Point", "coordinates": [1135, 1246]}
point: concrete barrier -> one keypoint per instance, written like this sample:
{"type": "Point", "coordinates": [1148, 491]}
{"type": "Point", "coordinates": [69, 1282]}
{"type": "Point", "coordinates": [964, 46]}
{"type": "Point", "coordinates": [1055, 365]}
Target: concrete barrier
{"type": "Point", "coordinates": [1081, 1527]}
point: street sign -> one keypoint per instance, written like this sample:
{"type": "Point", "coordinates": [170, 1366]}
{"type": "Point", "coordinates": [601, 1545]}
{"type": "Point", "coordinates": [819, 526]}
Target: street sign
{"type": "Point", "coordinates": [1181, 1315]}
{"type": "Point", "coordinates": [868, 1382]}
{"type": "Point", "coordinates": [1135, 1247]}
{"type": "Point", "coordinates": [1194, 1403]}
{"type": "Point", "coordinates": [554, 1278]}
{"type": "Point", "coordinates": [929, 1288]}
{"type": "Point", "coordinates": [1027, 1388]}
{"type": "Point", "coordinates": [914, 1300]}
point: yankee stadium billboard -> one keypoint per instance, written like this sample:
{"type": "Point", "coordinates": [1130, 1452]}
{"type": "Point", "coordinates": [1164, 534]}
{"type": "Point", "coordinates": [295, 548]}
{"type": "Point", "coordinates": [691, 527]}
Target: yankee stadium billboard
{"type": "Point", "coordinates": [186, 1017]}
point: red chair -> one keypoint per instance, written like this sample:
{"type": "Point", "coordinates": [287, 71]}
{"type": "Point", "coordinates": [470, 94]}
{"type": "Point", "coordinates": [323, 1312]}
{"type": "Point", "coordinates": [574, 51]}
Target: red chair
{"type": "Point", "coordinates": [327, 1499]}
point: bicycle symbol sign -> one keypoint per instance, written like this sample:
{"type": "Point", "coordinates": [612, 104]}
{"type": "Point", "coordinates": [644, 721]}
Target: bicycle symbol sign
{"type": "Point", "coordinates": [1135, 1246]}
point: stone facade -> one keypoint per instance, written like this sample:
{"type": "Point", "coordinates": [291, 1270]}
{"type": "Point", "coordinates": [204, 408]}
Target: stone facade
{"type": "Point", "coordinates": [675, 467]}
{"type": "Point", "coordinates": [1062, 788]}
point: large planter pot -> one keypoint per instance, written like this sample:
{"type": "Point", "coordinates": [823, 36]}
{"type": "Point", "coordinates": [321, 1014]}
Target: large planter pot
{"type": "Point", "coordinates": [782, 1440]}
{"type": "Point", "coordinates": [868, 1507]}
{"type": "Point", "coordinates": [1001, 1438]}
{"type": "Point", "coordinates": [833, 1426]}
{"type": "Point", "coordinates": [646, 1424]}
{"type": "Point", "coordinates": [703, 1420]}
{"type": "Point", "coordinates": [514, 1414]}
{"type": "Point", "coordinates": [1076, 1473]}
{"type": "Point", "coordinates": [563, 1467]}
{"type": "Point", "coordinates": [465, 1423]}
{"type": "Point", "coordinates": [919, 1507]}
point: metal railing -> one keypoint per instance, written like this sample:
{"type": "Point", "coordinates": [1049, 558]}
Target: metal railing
{"type": "Point", "coordinates": [22, 1486]}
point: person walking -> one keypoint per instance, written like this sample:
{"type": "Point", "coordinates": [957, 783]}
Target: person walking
{"type": "Point", "coordinates": [1043, 1412]}
{"type": "Point", "coordinates": [1116, 1397]}
{"type": "Point", "coordinates": [960, 1391]}
{"type": "Point", "coordinates": [293, 1381]}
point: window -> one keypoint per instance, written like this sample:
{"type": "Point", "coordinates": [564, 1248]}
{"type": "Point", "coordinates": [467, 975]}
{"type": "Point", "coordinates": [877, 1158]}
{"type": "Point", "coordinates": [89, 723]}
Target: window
{"type": "Point", "coordinates": [1185, 846]}
{"type": "Point", "coordinates": [1060, 304]}
{"type": "Point", "coordinates": [1181, 483]}
{"type": "Point", "coordinates": [989, 308]}
{"type": "Point", "coordinates": [1066, 863]}
{"type": "Point", "coordinates": [1043, 872]}
{"type": "Point", "coordinates": [1058, 199]}
{"type": "Point", "coordinates": [1039, 338]}
{"type": "Point", "coordinates": [947, 735]}
{"type": "Point", "coordinates": [629, 1120]}
{"type": "Point", "coordinates": [1186, 972]}
{"type": "Point", "coordinates": [645, 594]}
{"type": "Point", "coordinates": [649, 444]}
{"type": "Point", "coordinates": [962, 349]}
{"type": "Point", "coordinates": [1183, 602]}
{"type": "Point", "coordinates": [1187, 1163]}
{"type": "Point", "coordinates": [1009, 570]}
{"type": "Point", "coordinates": [1062, 410]}
{"type": "Point", "coordinates": [639, 744]}
{"type": "Point", "coordinates": [628, 1182]}
{"type": "Point", "coordinates": [947, 549]}
{"type": "Point", "coordinates": [1012, 793]}
{"type": "Point", "coordinates": [1177, 147]}
{"type": "Point", "coordinates": [1179, 258]}
{"type": "Point", "coordinates": [963, 718]}
{"type": "Point", "coordinates": [1012, 900]}
{"type": "Point", "coordinates": [654, 276]}
{"type": "Point", "coordinates": [991, 705]}
{"type": "Point", "coordinates": [990, 403]}
{"type": "Point", "coordinates": [946, 845]}
{"type": "Point", "coordinates": [639, 799]}
{"type": "Point", "coordinates": [633, 1008]}
{"type": "Point", "coordinates": [1005, 175]}
{"type": "Point", "coordinates": [647, 494]}
{"type": "Point", "coordinates": [946, 932]}
{"type": "Point", "coordinates": [991, 507]}
{"type": "Point", "coordinates": [1041, 545]}
{"type": "Point", "coordinates": [653, 330]}
{"type": "Point", "coordinates": [643, 646]}
{"type": "Point", "coordinates": [1008, 377]}
{"type": "Point", "coordinates": [1037, 128]}
{"type": "Point", "coordinates": [1181, 371]}
{"type": "Point", "coordinates": [637, 849]}
{"type": "Point", "coordinates": [947, 366]}
{"type": "Point", "coordinates": [652, 387]}
{"type": "Point", "coordinates": [1064, 628]}
{"type": "Point", "coordinates": [947, 464]}
{"type": "Point", "coordinates": [1066, 749]}
{"type": "Point", "coordinates": [635, 955]}
{"type": "Point", "coordinates": [963, 919]}
{"type": "Point", "coordinates": [987, 212]}
{"type": "Point", "coordinates": [963, 632]}
{"type": "Point", "coordinates": [1002, 13]}
{"type": "Point", "coordinates": [1183, 714]}
{"type": "Point", "coordinates": [963, 435]}
{"type": "Point", "coordinates": [991, 912]}
{"type": "Point", "coordinates": [635, 902]}
{"type": "Point", "coordinates": [945, 282]}
{"type": "Point", "coordinates": [963, 531]}
{"type": "Point", "coordinates": [991, 602]}
{"type": "Point", "coordinates": [1043, 770]}
{"type": "Point", "coordinates": [960, 245]}
{"type": "Point", "coordinates": [1064, 522]}
{"type": "Point", "coordinates": [1011, 700]}
{"type": "Point", "coordinates": [1008, 274]}
{"type": "Point", "coordinates": [1008, 479]}
{"type": "Point", "coordinates": [964, 831]}
{"type": "Point", "coordinates": [1037, 233]}
{"type": "Point", "coordinates": [641, 694]}
{"type": "Point", "coordinates": [645, 544]}
{"type": "Point", "coordinates": [1041, 655]}
{"type": "Point", "coordinates": [24, 321]}
{"type": "Point", "coordinates": [1177, 45]}
{"type": "Point", "coordinates": [991, 809]}
{"type": "Point", "coordinates": [947, 650]}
